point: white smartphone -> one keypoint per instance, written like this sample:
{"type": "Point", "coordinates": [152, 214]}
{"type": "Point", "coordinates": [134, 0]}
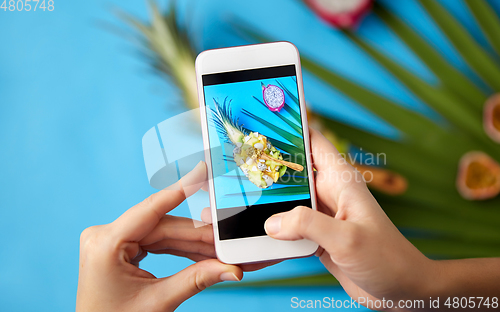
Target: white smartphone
{"type": "Point", "coordinates": [257, 147]}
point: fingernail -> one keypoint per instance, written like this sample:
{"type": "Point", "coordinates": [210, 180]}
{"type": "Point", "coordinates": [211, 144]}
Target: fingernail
{"type": "Point", "coordinates": [228, 276]}
{"type": "Point", "coordinates": [273, 225]}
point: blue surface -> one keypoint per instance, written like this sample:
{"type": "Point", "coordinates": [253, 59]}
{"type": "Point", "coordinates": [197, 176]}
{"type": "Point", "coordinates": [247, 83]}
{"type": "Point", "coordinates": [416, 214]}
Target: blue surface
{"type": "Point", "coordinates": [75, 101]}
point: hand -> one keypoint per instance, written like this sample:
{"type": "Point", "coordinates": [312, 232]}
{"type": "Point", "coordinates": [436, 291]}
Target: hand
{"type": "Point", "coordinates": [359, 245]}
{"type": "Point", "coordinates": [110, 278]}
{"type": "Point", "coordinates": [190, 239]}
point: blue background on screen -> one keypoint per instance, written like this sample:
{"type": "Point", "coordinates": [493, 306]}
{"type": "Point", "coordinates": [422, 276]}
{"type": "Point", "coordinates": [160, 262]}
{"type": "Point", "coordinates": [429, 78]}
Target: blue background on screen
{"type": "Point", "coordinates": [241, 96]}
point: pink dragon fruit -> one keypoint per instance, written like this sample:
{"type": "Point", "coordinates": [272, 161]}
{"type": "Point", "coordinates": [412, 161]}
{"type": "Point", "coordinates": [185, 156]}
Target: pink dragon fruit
{"type": "Point", "coordinates": [341, 13]}
{"type": "Point", "coordinates": [274, 97]}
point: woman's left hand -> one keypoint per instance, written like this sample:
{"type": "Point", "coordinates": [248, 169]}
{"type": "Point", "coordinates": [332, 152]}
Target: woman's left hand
{"type": "Point", "coordinates": [110, 278]}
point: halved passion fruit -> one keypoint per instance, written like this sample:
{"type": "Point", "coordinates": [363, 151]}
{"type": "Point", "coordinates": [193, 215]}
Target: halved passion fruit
{"type": "Point", "coordinates": [491, 117]}
{"type": "Point", "coordinates": [478, 176]}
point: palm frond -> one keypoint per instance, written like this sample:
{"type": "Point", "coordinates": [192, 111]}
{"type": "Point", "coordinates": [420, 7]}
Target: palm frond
{"type": "Point", "coordinates": [325, 279]}
{"type": "Point", "coordinates": [479, 60]}
{"type": "Point", "coordinates": [292, 181]}
{"type": "Point", "coordinates": [487, 20]}
{"type": "Point", "coordinates": [287, 148]}
{"type": "Point", "coordinates": [290, 110]}
{"type": "Point", "coordinates": [295, 140]}
{"type": "Point", "coordinates": [446, 103]}
{"type": "Point", "coordinates": [450, 78]}
{"type": "Point", "coordinates": [293, 125]}
{"type": "Point", "coordinates": [291, 190]}
{"type": "Point", "coordinates": [290, 94]}
{"type": "Point", "coordinates": [415, 126]}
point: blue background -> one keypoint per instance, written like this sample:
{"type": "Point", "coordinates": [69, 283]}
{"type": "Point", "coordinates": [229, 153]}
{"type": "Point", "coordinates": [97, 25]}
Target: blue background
{"type": "Point", "coordinates": [76, 99]}
{"type": "Point", "coordinates": [240, 94]}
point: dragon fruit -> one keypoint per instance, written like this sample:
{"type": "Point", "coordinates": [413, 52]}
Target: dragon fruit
{"type": "Point", "coordinates": [274, 97]}
{"type": "Point", "coordinates": [341, 13]}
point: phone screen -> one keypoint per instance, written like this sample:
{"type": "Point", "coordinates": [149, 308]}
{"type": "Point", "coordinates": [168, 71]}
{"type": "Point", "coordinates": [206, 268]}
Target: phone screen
{"type": "Point", "coordinates": [256, 147]}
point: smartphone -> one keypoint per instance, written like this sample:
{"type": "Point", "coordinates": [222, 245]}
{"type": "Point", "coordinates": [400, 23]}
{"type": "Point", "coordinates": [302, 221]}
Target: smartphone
{"type": "Point", "coordinates": [257, 147]}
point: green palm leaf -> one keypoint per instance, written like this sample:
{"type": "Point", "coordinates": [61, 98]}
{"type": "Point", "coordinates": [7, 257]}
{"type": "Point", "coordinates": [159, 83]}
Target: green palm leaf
{"type": "Point", "coordinates": [325, 279]}
{"type": "Point", "coordinates": [487, 20]}
{"type": "Point", "coordinates": [290, 94]}
{"type": "Point", "coordinates": [473, 54]}
{"type": "Point", "coordinates": [452, 247]}
{"type": "Point", "coordinates": [445, 102]}
{"type": "Point", "coordinates": [295, 140]}
{"type": "Point", "coordinates": [295, 180]}
{"type": "Point", "coordinates": [425, 133]}
{"type": "Point", "coordinates": [440, 223]}
{"type": "Point", "coordinates": [287, 107]}
{"type": "Point", "coordinates": [447, 200]}
{"type": "Point", "coordinates": [450, 77]}
{"type": "Point", "coordinates": [290, 149]}
{"type": "Point", "coordinates": [293, 125]}
{"type": "Point", "coordinates": [291, 190]}
{"type": "Point", "coordinates": [398, 154]}
{"type": "Point", "coordinates": [292, 112]}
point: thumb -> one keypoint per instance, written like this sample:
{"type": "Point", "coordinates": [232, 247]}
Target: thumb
{"type": "Point", "coordinates": [181, 286]}
{"type": "Point", "coordinates": [303, 222]}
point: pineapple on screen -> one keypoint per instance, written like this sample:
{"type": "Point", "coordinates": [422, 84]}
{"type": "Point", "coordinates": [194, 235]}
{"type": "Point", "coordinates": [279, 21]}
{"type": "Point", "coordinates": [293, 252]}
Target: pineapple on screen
{"type": "Point", "coordinates": [261, 172]}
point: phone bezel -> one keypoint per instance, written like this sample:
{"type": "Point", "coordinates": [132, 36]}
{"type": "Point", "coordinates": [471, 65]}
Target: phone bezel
{"type": "Point", "coordinates": [260, 248]}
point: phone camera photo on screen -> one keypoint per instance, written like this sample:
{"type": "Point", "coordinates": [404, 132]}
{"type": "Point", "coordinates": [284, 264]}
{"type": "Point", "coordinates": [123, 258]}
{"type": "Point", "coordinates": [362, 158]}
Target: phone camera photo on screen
{"type": "Point", "coordinates": [258, 160]}
{"type": "Point", "coordinates": [255, 115]}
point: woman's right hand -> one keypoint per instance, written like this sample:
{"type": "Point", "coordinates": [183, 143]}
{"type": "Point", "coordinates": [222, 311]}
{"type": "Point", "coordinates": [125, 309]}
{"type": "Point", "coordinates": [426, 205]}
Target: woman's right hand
{"type": "Point", "coordinates": [359, 245]}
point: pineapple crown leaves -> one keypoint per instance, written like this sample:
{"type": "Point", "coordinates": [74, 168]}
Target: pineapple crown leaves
{"type": "Point", "coordinates": [226, 124]}
{"type": "Point", "coordinates": [173, 53]}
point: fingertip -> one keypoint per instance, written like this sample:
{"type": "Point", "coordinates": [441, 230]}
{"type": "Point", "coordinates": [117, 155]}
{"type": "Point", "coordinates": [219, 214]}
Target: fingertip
{"type": "Point", "coordinates": [232, 273]}
{"type": "Point", "coordinates": [192, 181]}
{"type": "Point", "coordinates": [229, 277]}
{"type": "Point", "coordinates": [238, 272]}
{"type": "Point", "coordinates": [201, 166]}
{"type": "Point", "coordinates": [206, 215]}
{"type": "Point", "coordinates": [199, 172]}
{"type": "Point", "coordinates": [273, 224]}
{"type": "Point", "coordinates": [227, 272]}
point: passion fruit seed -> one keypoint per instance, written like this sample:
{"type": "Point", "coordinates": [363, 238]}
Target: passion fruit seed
{"type": "Point", "coordinates": [478, 176]}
